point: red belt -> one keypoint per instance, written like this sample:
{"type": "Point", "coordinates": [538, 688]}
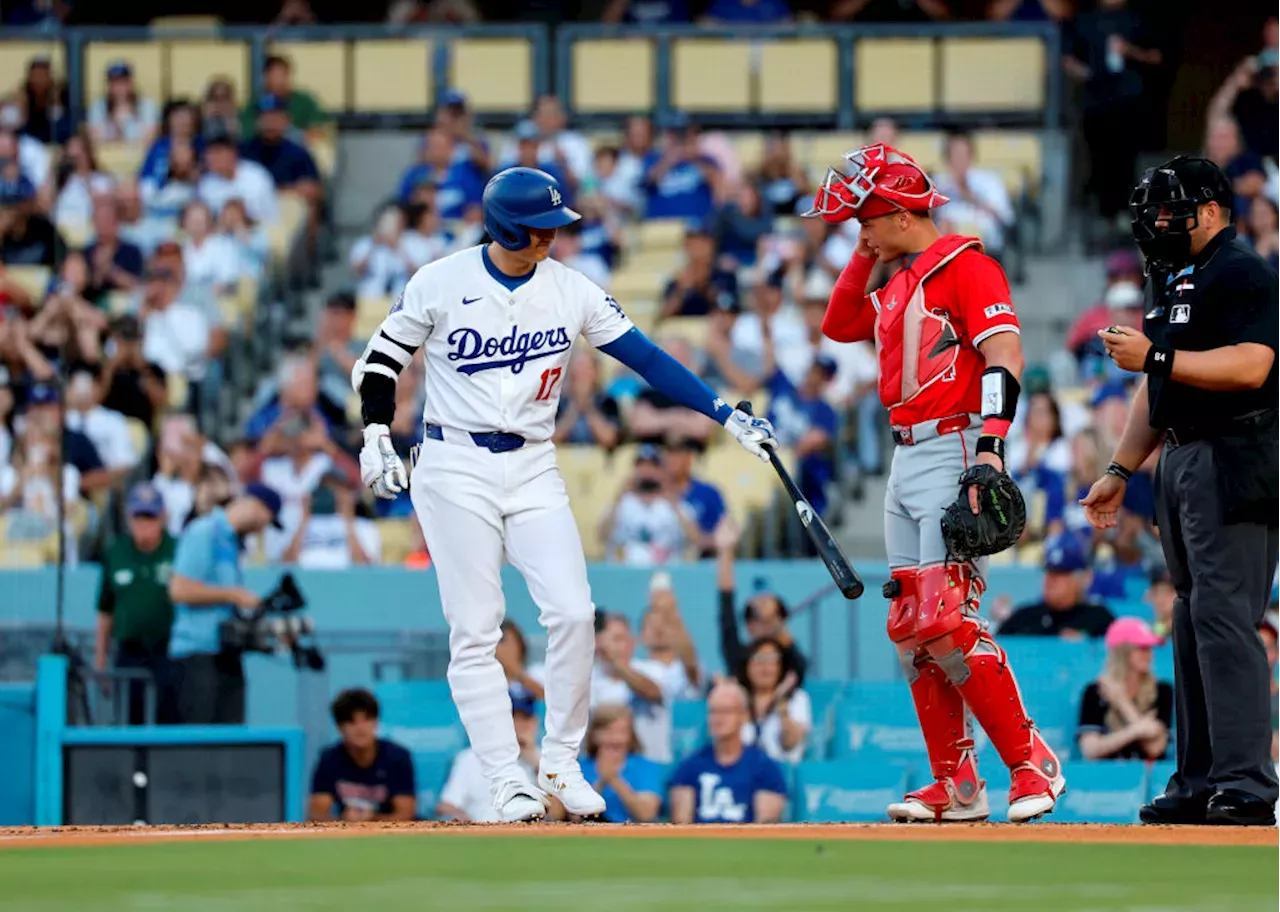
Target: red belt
{"type": "Point", "coordinates": [906, 435]}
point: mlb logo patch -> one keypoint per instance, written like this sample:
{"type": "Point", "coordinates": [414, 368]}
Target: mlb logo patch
{"type": "Point", "coordinates": [997, 309]}
{"type": "Point", "coordinates": [1181, 313]}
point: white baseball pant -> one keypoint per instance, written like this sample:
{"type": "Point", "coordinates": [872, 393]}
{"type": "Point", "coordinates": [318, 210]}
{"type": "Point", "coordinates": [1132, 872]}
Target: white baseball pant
{"type": "Point", "coordinates": [476, 507]}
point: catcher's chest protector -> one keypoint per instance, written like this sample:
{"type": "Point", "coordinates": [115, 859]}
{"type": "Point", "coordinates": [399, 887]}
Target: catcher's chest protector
{"type": "Point", "coordinates": [916, 342]}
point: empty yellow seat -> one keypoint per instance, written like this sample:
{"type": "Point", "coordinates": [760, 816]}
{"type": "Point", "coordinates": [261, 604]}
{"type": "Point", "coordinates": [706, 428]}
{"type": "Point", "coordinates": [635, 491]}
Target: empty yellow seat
{"type": "Point", "coordinates": [659, 234]}
{"type": "Point", "coordinates": [993, 74]}
{"type": "Point", "coordinates": [496, 73]}
{"type": "Point", "coordinates": [34, 280]}
{"type": "Point", "coordinates": [613, 74]}
{"type": "Point", "coordinates": [194, 63]}
{"type": "Point", "coordinates": [397, 538]}
{"type": "Point", "coordinates": [826, 150]}
{"type": "Point", "coordinates": [370, 312]}
{"type": "Point", "coordinates": [798, 75]}
{"type": "Point", "coordinates": [926, 146]}
{"type": "Point", "coordinates": [122, 159]}
{"type": "Point", "coordinates": [711, 74]}
{"type": "Point", "coordinates": [749, 147]}
{"type": "Point", "coordinates": [1011, 152]}
{"type": "Point", "coordinates": [321, 68]}
{"type": "Point", "coordinates": [894, 74]}
{"type": "Point", "coordinates": [692, 329]}
{"type": "Point", "coordinates": [391, 75]}
{"type": "Point", "coordinates": [185, 23]}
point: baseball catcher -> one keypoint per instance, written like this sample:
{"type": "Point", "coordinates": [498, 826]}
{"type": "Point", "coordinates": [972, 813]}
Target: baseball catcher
{"type": "Point", "coordinates": [950, 359]}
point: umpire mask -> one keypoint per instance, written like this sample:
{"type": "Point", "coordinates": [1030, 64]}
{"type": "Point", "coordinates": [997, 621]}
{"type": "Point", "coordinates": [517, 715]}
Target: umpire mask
{"type": "Point", "coordinates": [1164, 208]}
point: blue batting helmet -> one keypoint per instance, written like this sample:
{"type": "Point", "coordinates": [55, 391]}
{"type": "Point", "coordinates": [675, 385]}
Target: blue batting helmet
{"type": "Point", "coordinates": [521, 198]}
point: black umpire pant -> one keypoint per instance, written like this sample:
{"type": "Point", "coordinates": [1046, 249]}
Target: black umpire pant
{"type": "Point", "coordinates": [1222, 574]}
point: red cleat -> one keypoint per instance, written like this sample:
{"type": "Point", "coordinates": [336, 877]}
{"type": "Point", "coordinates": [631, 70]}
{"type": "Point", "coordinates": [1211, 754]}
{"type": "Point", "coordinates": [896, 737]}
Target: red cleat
{"type": "Point", "coordinates": [951, 799]}
{"type": "Point", "coordinates": [1036, 783]}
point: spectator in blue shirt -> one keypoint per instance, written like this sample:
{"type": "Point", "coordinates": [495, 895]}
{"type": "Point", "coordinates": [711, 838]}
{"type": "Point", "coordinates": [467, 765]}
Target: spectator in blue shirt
{"type": "Point", "coordinates": [807, 423]}
{"type": "Point", "coordinates": [749, 12]}
{"type": "Point", "coordinates": [289, 163]}
{"type": "Point", "coordinates": [630, 784]}
{"type": "Point", "coordinates": [703, 499]}
{"type": "Point", "coordinates": [458, 184]}
{"type": "Point", "coordinates": [727, 781]}
{"type": "Point", "coordinates": [362, 777]}
{"type": "Point", "coordinates": [702, 286]}
{"type": "Point", "coordinates": [207, 588]}
{"type": "Point", "coordinates": [647, 12]}
{"type": "Point", "coordinates": [679, 182]}
{"type": "Point", "coordinates": [530, 154]}
{"type": "Point", "coordinates": [180, 121]}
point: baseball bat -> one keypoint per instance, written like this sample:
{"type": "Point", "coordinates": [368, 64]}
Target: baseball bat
{"type": "Point", "coordinates": [846, 578]}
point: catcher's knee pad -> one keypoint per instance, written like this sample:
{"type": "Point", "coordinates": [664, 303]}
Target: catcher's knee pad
{"type": "Point", "coordinates": [901, 623]}
{"type": "Point", "coordinates": [948, 594]}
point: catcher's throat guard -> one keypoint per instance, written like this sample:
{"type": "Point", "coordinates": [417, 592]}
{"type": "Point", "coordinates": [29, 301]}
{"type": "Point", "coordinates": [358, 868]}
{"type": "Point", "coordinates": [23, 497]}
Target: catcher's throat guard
{"type": "Point", "coordinates": [1001, 517]}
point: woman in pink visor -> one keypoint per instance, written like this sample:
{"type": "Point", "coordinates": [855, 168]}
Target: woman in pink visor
{"type": "Point", "coordinates": [1126, 713]}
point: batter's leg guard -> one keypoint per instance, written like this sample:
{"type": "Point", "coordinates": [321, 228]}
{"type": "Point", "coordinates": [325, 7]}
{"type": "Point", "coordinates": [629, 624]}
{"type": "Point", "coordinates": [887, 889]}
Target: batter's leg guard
{"type": "Point", "coordinates": [957, 793]}
{"type": "Point", "coordinates": [980, 670]}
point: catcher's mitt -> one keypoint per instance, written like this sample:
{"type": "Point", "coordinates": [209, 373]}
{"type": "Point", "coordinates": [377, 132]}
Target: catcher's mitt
{"type": "Point", "coordinates": [998, 525]}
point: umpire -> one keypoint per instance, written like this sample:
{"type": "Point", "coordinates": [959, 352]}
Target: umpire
{"type": "Point", "coordinates": [1209, 397]}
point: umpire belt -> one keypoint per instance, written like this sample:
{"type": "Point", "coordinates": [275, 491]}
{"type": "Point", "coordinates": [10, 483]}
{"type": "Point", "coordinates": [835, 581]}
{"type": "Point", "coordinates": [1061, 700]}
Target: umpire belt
{"type": "Point", "coordinates": [1242, 425]}
{"type": "Point", "coordinates": [494, 442]}
{"type": "Point", "coordinates": [911, 434]}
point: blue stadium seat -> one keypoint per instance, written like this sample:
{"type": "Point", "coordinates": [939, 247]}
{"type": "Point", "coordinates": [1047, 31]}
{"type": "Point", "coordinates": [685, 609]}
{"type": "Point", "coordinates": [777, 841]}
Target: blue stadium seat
{"type": "Point", "coordinates": [1158, 776]}
{"type": "Point", "coordinates": [428, 727]}
{"type": "Point", "coordinates": [430, 770]}
{"type": "Point", "coordinates": [849, 790]}
{"type": "Point", "coordinates": [396, 696]}
{"type": "Point", "coordinates": [688, 727]}
{"type": "Point", "coordinates": [876, 714]}
{"type": "Point", "coordinates": [825, 696]}
{"type": "Point", "coordinates": [1049, 663]}
{"type": "Point", "coordinates": [1103, 791]}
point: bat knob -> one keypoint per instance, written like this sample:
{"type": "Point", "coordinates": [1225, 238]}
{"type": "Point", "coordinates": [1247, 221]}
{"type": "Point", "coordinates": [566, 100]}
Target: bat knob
{"type": "Point", "coordinates": [744, 406]}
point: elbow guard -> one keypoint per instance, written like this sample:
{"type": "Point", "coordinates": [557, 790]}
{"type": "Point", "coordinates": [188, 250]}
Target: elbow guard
{"type": "Point", "coordinates": [374, 376]}
{"type": "Point", "coordinates": [1000, 391]}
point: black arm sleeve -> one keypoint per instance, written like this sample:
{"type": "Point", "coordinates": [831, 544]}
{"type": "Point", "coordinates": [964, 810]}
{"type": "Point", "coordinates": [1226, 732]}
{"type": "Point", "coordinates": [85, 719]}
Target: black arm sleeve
{"type": "Point", "coordinates": [377, 390]}
{"type": "Point", "coordinates": [730, 645]}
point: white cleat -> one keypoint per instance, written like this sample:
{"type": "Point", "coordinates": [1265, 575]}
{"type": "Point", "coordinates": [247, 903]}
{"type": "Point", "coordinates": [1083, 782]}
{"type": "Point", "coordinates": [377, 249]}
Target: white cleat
{"type": "Point", "coordinates": [911, 810]}
{"type": "Point", "coordinates": [1032, 807]}
{"type": "Point", "coordinates": [517, 802]}
{"type": "Point", "coordinates": [573, 792]}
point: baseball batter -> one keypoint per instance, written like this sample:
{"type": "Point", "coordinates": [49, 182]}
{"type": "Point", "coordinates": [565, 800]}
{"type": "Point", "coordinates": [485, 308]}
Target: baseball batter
{"type": "Point", "coordinates": [950, 360]}
{"type": "Point", "coordinates": [498, 323]}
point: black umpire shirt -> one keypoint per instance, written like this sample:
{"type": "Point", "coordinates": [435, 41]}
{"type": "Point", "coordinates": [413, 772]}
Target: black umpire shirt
{"type": "Point", "coordinates": [1226, 296]}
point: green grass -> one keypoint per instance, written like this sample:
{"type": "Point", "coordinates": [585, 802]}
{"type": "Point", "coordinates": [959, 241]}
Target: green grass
{"type": "Point", "coordinates": [619, 874]}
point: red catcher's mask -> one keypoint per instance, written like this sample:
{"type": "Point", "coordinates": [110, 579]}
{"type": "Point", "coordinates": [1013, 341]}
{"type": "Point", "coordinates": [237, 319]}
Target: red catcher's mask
{"type": "Point", "coordinates": [876, 180]}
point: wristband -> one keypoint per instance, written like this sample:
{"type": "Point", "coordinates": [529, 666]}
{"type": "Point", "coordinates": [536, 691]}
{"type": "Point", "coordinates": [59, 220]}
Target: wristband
{"type": "Point", "coordinates": [989, 443]}
{"type": "Point", "coordinates": [1119, 471]}
{"type": "Point", "coordinates": [996, 427]}
{"type": "Point", "coordinates": [1159, 362]}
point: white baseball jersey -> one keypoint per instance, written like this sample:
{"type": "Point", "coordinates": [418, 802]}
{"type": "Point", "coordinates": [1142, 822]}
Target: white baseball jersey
{"type": "Point", "coordinates": [495, 358]}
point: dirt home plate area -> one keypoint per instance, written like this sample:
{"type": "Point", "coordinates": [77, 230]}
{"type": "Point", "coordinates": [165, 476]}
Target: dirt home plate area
{"type": "Point", "coordinates": [1042, 867]}
{"type": "Point", "coordinates": [1035, 833]}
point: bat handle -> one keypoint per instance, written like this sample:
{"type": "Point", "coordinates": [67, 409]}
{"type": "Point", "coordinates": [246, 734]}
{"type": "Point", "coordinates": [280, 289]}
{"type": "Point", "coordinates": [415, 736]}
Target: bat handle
{"type": "Point", "coordinates": [744, 406]}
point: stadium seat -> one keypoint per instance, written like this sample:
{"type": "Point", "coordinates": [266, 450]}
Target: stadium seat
{"type": "Point", "coordinates": [146, 59]}
{"type": "Point", "coordinates": [391, 75]}
{"type": "Point", "coordinates": [430, 772]}
{"type": "Point", "coordinates": [824, 696]}
{"type": "Point", "coordinates": [322, 143]}
{"type": "Point", "coordinates": [1011, 152]}
{"type": "Point", "coordinates": [925, 146]}
{"type": "Point", "coordinates": [139, 437]}
{"type": "Point", "coordinates": [1052, 665]}
{"type": "Point", "coordinates": [77, 235]}
{"type": "Point", "coordinates": [290, 221]}
{"type": "Point", "coordinates": [612, 74]}
{"type": "Point", "coordinates": [121, 159]}
{"type": "Point", "coordinates": [659, 234]}
{"type": "Point", "coordinates": [321, 68]}
{"type": "Point", "coordinates": [661, 264]}
{"type": "Point", "coordinates": [177, 391]}
{"type": "Point", "coordinates": [692, 329]}
{"type": "Point", "coordinates": [749, 147]}
{"type": "Point", "coordinates": [710, 74]}
{"type": "Point", "coordinates": [1105, 791]}
{"type": "Point", "coordinates": [688, 727]}
{"type": "Point", "coordinates": [183, 23]}
{"type": "Point", "coordinates": [826, 150]}
{"type": "Point", "coordinates": [798, 76]}
{"type": "Point", "coordinates": [34, 280]}
{"type": "Point", "coordinates": [877, 715]}
{"type": "Point", "coordinates": [747, 483]}
{"type": "Point", "coordinates": [993, 74]}
{"type": "Point", "coordinates": [636, 285]}
{"type": "Point", "coordinates": [370, 313]}
{"type": "Point", "coordinates": [843, 791]}
{"type": "Point", "coordinates": [397, 539]}
{"type": "Point", "coordinates": [497, 73]}
{"type": "Point", "coordinates": [894, 74]}
{"type": "Point", "coordinates": [421, 716]}
{"type": "Point", "coordinates": [1158, 776]}
{"type": "Point", "coordinates": [17, 56]}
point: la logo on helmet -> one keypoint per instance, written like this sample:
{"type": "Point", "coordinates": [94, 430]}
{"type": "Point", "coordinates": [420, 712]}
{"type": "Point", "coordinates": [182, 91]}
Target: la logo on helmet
{"type": "Point", "coordinates": [555, 196]}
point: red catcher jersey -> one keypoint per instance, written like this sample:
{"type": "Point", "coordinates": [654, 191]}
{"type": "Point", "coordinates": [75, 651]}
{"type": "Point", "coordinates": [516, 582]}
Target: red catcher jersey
{"type": "Point", "coordinates": [930, 319]}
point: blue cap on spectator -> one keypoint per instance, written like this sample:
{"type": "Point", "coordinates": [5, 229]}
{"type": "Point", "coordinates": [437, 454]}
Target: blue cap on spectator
{"type": "Point", "coordinates": [826, 364]}
{"type": "Point", "coordinates": [42, 394]}
{"type": "Point", "coordinates": [268, 498]}
{"type": "Point", "coordinates": [16, 191]}
{"type": "Point", "coordinates": [522, 701]}
{"type": "Point", "coordinates": [271, 103]}
{"type": "Point", "coordinates": [527, 129]}
{"type": "Point", "coordinates": [144, 500]}
{"type": "Point", "coordinates": [119, 69]}
{"type": "Point", "coordinates": [1063, 553]}
{"type": "Point", "coordinates": [1109, 390]}
{"type": "Point", "coordinates": [453, 98]}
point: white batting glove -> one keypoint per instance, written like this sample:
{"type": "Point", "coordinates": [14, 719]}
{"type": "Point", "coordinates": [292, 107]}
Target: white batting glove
{"type": "Point", "coordinates": [380, 467]}
{"type": "Point", "coordinates": [753, 433]}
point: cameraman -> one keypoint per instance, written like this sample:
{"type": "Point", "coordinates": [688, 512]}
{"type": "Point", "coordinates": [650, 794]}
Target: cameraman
{"type": "Point", "coordinates": [207, 588]}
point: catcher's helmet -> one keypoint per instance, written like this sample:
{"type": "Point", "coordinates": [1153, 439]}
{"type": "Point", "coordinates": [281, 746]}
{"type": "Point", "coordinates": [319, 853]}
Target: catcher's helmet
{"type": "Point", "coordinates": [521, 198]}
{"type": "Point", "coordinates": [875, 181]}
{"type": "Point", "coordinates": [1173, 193]}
